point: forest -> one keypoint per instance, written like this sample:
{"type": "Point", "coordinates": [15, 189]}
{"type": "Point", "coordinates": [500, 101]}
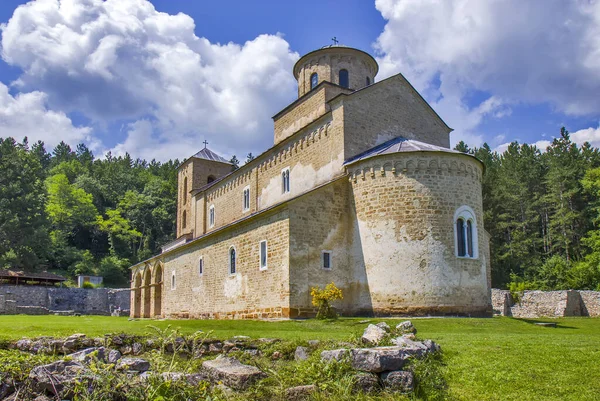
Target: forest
{"type": "Point", "coordinates": [71, 213]}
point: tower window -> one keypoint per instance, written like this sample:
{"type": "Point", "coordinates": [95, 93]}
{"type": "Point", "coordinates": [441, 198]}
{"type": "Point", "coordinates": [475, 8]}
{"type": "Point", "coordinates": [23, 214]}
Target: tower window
{"type": "Point", "coordinates": [246, 199]}
{"type": "Point", "coordinates": [344, 82]}
{"type": "Point", "coordinates": [263, 255]}
{"type": "Point", "coordinates": [232, 260]}
{"type": "Point", "coordinates": [285, 181]}
{"type": "Point", "coordinates": [368, 81]}
{"type": "Point", "coordinates": [314, 80]}
{"type": "Point", "coordinates": [185, 190]}
{"type": "Point", "coordinates": [184, 219]}
{"type": "Point", "coordinates": [210, 179]}
{"type": "Point", "coordinates": [211, 216]}
{"type": "Point", "coordinates": [326, 260]}
{"type": "Point", "coordinates": [465, 233]}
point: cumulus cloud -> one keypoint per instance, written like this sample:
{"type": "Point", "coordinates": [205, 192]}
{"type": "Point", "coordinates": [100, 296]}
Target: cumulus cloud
{"type": "Point", "coordinates": [591, 135]}
{"type": "Point", "coordinates": [116, 60]}
{"type": "Point", "coordinates": [518, 51]}
{"type": "Point", "coordinates": [27, 115]}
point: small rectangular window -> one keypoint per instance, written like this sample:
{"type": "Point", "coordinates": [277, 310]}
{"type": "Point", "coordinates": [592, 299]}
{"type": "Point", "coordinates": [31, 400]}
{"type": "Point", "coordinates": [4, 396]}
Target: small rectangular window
{"type": "Point", "coordinates": [263, 255]}
{"type": "Point", "coordinates": [326, 260]}
{"type": "Point", "coordinates": [211, 216]}
{"type": "Point", "coordinates": [201, 266]}
{"type": "Point", "coordinates": [246, 199]}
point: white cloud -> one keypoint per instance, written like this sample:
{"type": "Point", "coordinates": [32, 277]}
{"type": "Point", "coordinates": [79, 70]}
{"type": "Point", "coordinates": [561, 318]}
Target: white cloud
{"type": "Point", "coordinates": [519, 51]}
{"type": "Point", "coordinates": [120, 60]}
{"type": "Point", "coordinates": [27, 115]}
{"type": "Point", "coordinates": [591, 135]}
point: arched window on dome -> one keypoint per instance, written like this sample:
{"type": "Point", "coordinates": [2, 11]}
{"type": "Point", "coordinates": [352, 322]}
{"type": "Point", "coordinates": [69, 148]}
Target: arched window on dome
{"type": "Point", "coordinates": [368, 81]}
{"type": "Point", "coordinates": [314, 80]}
{"type": "Point", "coordinates": [344, 81]}
{"type": "Point", "coordinates": [232, 260]}
{"type": "Point", "coordinates": [465, 233]}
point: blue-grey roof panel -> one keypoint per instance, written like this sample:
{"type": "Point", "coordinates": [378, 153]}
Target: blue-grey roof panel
{"type": "Point", "coordinates": [208, 154]}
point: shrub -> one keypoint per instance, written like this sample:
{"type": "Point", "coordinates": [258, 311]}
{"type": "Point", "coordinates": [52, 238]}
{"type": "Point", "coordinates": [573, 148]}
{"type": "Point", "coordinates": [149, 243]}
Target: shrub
{"type": "Point", "coordinates": [321, 298]}
{"type": "Point", "coordinates": [88, 285]}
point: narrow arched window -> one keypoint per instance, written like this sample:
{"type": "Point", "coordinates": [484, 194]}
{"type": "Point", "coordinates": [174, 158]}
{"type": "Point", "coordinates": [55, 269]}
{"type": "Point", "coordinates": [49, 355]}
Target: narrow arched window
{"type": "Point", "coordinates": [185, 190]}
{"type": "Point", "coordinates": [173, 281]}
{"type": "Point", "coordinates": [314, 80]}
{"type": "Point", "coordinates": [344, 81]}
{"type": "Point", "coordinates": [465, 233]}
{"type": "Point", "coordinates": [285, 181]}
{"type": "Point", "coordinates": [210, 179]}
{"type": "Point", "coordinates": [368, 81]}
{"type": "Point", "coordinates": [184, 219]}
{"type": "Point", "coordinates": [201, 266]}
{"type": "Point", "coordinates": [460, 233]}
{"type": "Point", "coordinates": [232, 260]}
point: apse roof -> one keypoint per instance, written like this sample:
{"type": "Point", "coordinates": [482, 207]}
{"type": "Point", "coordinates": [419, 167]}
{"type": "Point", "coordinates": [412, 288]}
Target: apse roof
{"type": "Point", "coordinates": [208, 154]}
{"type": "Point", "coordinates": [399, 145]}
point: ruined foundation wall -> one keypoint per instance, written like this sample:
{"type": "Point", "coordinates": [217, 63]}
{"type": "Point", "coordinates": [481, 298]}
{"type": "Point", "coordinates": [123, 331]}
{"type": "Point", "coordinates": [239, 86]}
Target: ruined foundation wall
{"type": "Point", "coordinates": [37, 300]}
{"type": "Point", "coordinates": [534, 304]}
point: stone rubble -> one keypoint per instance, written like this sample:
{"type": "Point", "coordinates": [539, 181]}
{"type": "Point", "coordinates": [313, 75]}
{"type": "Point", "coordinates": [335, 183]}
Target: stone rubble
{"type": "Point", "coordinates": [373, 335]}
{"type": "Point", "coordinates": [232, 372]}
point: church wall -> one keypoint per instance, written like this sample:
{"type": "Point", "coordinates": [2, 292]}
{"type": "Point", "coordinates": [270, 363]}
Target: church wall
{"type": "Point", "coordinates": [319, 222]}
{"type": "Point", "coordinates": [403, 234]}
{"type": "Point", "coordinates": [385, 111]}
{"type": "Point", "coordinates": [251, 292]}
{"type": "Point", "coordinates": [305, 111]}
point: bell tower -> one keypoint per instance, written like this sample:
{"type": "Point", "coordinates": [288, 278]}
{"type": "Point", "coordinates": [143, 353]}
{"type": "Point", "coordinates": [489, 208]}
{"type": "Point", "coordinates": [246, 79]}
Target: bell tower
{"type": "Point", "coordinates": [344, 66]}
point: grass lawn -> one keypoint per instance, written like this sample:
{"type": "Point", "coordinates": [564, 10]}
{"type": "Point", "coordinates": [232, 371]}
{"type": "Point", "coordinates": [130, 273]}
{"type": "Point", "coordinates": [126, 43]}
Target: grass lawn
{"type": "Point", "coordinates": [485, 359]}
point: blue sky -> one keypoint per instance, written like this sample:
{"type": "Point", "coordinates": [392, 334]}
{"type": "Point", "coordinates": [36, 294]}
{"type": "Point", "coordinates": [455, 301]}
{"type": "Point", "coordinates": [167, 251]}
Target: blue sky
{"type": "Point", "coordinates": [157, 78]}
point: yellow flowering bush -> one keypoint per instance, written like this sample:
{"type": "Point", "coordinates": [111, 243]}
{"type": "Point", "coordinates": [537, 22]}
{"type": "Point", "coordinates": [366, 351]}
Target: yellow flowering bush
{"type": "Point", "coordinates": [321, 298]}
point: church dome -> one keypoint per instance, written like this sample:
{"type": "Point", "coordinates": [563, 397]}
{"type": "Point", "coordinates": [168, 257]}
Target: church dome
{"type": "Point", "coordinates": [340, 65]}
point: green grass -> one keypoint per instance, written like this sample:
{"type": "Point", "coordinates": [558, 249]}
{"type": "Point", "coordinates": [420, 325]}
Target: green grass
{"type": "Point", "coordinates": [484, 359]}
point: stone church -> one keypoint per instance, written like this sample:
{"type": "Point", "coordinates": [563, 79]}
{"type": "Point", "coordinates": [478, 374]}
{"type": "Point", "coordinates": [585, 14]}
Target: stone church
{"type": "Point", "coordinates": [360, 188]}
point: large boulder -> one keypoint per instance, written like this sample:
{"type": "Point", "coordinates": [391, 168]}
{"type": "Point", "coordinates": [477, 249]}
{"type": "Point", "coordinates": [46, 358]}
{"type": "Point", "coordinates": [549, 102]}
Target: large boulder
{"type": "Point", "coordinates": [384, 325]}
{"type": "Point", "coordinates": [366, 383]}
{"type": "Point", "coordinates": [334, 354]}
{"type": "Point", "coordinates": [232, 372]}
{"type": "Point", "coordinates": [377, 359]}
{"type": "Point", "coordinates": [373, 334]}
{"type": "Point", "coordinates": [52, 378]}
{"type": "Point", "coordinates": [133, 365]}
{"type": "Point", "coordinates": [399, 381]}
{"type": "Point", "coordinates": [411, 347]}
{"type": "Point", "coordinates": [113, 356]}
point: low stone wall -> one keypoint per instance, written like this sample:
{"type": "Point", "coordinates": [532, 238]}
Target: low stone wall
{"type": "Point", "coordinates": [534, 304]}
{"type": "Point", "coordinates": [39, 300]}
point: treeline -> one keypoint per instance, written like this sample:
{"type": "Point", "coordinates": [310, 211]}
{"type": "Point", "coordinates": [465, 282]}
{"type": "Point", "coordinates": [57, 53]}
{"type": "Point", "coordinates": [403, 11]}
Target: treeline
{"type": "Point", "coordinates": [542, 209]}
{"type": "Point", "coordinates": [71, 212]}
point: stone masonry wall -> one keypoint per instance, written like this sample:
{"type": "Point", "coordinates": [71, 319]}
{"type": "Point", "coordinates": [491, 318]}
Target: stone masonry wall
{"type": "Point", "coordinates": [403, 237]}
{"type": "Point", "coordinates": [385, 111]}
{"type": "Point", "coordinates": [39, 300]}
{"type": "Point", "coordinates": [534, 304]}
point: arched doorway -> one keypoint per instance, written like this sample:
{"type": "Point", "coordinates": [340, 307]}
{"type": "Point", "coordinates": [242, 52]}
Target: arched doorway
{"type": "Point", "coordinates": [137, 295]}
{"type": "Point", "coordinates": [158, 282]}
{"type": "Point", "coordinates": [146, 288]}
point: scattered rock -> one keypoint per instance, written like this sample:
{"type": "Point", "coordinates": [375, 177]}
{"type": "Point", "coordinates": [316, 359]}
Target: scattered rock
{"type": "Point", "coordinates": [431, 346]}
{"type": "Point", "coordinates": [399, 381]}
{"type": "Point", "coordinates": [232, 372]}
{"type": "Point", "coordinates": [53, 377]}
{"type": "Point", "coordinates": [314, 343]}
{"type": "Point", "coordinates": [406, 327]}
{"type": "Point", "coordinates": [300, 392]}
{"type": "Point", "coordinates": [366, 382]}
{"type": "Point", "coordinates": [252, 352]}
{"type": "Point", "coordinates": [113, 356]}
{"type": "Point", "coordinates": [276, 355]}
{"type": "Point", "coordinates": [24, 344]}
{"type": "Point", "coordinates": [301, 354]}
{"type": "Point", "coordinates": [268, 340]}
{"type": "Point", "coordinates": [133, 364]}
{"type": "Point", "coordinates": [377, 359]}
{"type": "Point", "coordinates": [334, 355]}
{"type": "Point", "coordinates": [89, 354]}
{"type": "Point", "coordinates": [137, 348]}
{"type": "Point", "coordinates": [193, 379]}
{"type": "Point", "coordinates": [373, 335]}
{"type": "Point", "coordinates": [411, 347]}
{"type": "Point", "coordinates": [384, 325]}
{"type": "Point", "coordinates": [215, 348]}
{"type": "Point", "coordinates": [76, 337]}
